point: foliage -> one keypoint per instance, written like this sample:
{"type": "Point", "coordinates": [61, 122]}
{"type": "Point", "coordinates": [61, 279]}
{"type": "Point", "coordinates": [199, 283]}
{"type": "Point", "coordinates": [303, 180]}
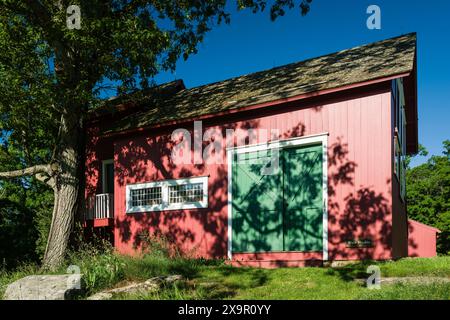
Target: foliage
{"type": "Point", "coordinates": [101, 268]}
{"type": "Point", "coordinates": [51, 75]}
{"type": "Point", "coordinates": [16, 233]}
{"type": "Point", "coordinates": [428, 195]}
{"type": "Point", "coordinates": [25, 215]}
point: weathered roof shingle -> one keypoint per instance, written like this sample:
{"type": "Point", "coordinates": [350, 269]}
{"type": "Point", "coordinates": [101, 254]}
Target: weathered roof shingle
{"type": "Point", "coordinates": [360, 64]}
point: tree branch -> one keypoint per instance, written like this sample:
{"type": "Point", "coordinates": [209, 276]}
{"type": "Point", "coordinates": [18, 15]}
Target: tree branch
{"type": "Point", "coordinates": [30, 171]}
{"type": "Point", "coordinates": [46, 179]}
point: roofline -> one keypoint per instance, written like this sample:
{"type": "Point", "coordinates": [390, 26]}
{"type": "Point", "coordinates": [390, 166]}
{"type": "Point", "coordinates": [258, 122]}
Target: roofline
{"type": "Point", "coordinates": [94, 114]}
{"type": "Point", "coordinates": [259, 106]}
{"type": "Point", "coordinates": [305, 61]}
{"type": "Point", "coordinates": [411, 99]}
{"type": "Point", "coordinates": [425, 225]}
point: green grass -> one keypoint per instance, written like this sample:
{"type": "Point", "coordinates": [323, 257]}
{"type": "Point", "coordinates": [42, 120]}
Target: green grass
{"type": "Point", "coordinates": [437, 267]}
{"type": "Point", "coordinates": [283, 283]}
{"type": "Point", "coordinates": [407, 267]}
{"type": "Point", "coordinates": [226, 282]}
{"type": "Point", "coordinates": [435, 291]}
{"type": "Point", "coordinates": [216, 280]}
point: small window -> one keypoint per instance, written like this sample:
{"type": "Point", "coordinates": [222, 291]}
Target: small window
{"type": "Point", "coordinates": [187, 193]}
{"type": "Point", "coordinates": [146, 197]}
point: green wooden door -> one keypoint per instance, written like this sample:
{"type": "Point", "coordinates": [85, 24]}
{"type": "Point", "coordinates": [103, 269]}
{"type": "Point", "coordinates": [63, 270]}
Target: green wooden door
{"type": "Point", "coordinates": [257, 205]}
{"type": "Point", "coordinates": [303, 207]}
{"type": "Point", "coordinates": [281, 211]}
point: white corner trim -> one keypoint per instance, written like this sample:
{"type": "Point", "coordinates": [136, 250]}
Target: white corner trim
{"type": "Point", "coordinates": [230, 155]}
{"type": "Point", "coordinates": [165, 205]}
{"type": "Point", "coordinates": [325, 198]}
{"type": "Point", "coordinates": [322, 139]}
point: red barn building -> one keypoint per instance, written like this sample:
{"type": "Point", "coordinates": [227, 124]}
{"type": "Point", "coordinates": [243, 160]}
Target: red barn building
{"type": "Point", "coordinates": [290, 166]}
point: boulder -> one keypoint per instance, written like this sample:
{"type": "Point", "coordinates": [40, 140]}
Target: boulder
{"type": "Point", "coordinates": [44, 287]}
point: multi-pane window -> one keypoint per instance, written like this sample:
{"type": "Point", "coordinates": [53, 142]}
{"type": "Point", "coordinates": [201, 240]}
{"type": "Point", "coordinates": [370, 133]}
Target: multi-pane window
{"type": "Point", "coordinates": [145, 197]}
{"type": "Point", "coordinates": [398, 102]}
{"type": "Point", "coordinates": [186, 193]}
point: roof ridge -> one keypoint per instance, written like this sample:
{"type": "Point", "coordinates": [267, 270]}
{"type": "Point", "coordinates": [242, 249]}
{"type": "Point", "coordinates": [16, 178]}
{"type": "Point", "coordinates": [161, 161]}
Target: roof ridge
{"type": "Point", "coordinates": [300, 62]}
{"type": "Point", "coordinates": [374, 61]}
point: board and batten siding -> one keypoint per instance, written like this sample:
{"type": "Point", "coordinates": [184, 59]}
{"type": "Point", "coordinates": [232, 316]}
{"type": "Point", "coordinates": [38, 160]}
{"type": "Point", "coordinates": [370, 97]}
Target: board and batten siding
{"type": "Point", "coordinates": [359, 178]}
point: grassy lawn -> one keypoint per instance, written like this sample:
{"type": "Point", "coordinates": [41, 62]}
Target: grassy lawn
{"type": "Point", "coordinates": [225, 282]}
{"type": "Point", "coordinates": [215, 280]}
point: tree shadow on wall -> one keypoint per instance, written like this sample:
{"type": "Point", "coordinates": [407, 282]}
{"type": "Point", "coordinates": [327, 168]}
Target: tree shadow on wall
{"type": "Point", "coordinates": [352, 210]}
{"type": "Point", "coordinates": [358, 217]}
{"type": "Point", "coordinates": [146, 159]}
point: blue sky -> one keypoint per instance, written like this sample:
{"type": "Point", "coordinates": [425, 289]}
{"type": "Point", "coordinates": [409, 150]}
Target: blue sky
{"type": "Point", "coordinates": [253, 43]}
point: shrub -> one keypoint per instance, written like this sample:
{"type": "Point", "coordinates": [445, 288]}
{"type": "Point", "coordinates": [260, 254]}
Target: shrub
{"type": "Point", "coordinates": [100, 266]}
{"type": "Point", "coordinates": [16, 234]}
{"type": "Point", "coordinates": [157, 245]}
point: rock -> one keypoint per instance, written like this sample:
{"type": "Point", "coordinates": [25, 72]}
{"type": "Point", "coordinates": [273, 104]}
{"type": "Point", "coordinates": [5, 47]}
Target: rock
{"type": "Point", "coordinates": [44, 287]}
{"type": "Point", "coordinates": [152, 284]}
{"type": "Point", "coordinates": [339, 263]}
{"type": "Point", "coordinates": [101, 296]}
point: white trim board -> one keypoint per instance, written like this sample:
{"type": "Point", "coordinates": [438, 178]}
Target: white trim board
{"type": "Point", "coordinates": [280, 144]}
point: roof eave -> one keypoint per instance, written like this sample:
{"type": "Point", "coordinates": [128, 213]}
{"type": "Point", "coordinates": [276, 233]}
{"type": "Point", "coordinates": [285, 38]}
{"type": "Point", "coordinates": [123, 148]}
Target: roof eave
{"type": "Point", "coordinates": [258, 106]}
{"type": "Point", "coordinates": [412, 132]}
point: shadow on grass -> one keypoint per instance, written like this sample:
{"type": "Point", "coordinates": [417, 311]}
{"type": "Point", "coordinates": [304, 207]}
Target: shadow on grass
{"type": "Point", "coordinates": [352, 272]}
{"type": "Point", "coordinates": [222, 282]}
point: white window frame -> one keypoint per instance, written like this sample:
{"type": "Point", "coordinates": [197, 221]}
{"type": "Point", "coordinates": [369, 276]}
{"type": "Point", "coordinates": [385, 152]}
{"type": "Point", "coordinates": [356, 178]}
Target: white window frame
{"type": "Point", "coordinates": [165, 205]}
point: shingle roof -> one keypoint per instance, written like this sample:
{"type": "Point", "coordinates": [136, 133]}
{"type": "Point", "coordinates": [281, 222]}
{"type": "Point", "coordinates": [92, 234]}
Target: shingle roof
{"type": "Point", "coordinates": [360, 64]}
{"type": "Point", "coordinates": [127, 102]}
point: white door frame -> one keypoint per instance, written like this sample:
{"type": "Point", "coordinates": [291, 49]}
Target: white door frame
{"type": "Point", "coordinates": [281, 144]}
{"type": "Point", "coordinates": [104, 164]}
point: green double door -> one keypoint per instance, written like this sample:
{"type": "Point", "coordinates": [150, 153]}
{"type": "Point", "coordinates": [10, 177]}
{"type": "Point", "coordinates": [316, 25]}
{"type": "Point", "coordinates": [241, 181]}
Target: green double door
{"type": "Point", "coordinates": [278, 209]}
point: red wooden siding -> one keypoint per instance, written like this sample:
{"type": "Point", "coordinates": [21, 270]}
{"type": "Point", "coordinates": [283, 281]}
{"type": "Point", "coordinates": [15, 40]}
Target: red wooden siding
{"type": "Point", "coordinates": [421, 240]}
{"type": "Point", "coordinates": [359, 176]}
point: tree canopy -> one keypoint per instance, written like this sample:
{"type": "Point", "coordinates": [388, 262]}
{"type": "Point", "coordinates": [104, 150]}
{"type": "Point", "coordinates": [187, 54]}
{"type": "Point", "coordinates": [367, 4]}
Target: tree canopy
{"type": "Point", "coordinates": [52, 74]}
{"type": "Point", "coordinates": [428, 194]}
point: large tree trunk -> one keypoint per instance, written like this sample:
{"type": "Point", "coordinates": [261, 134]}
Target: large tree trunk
{"type": "Point", "coordinates": [66, 190]}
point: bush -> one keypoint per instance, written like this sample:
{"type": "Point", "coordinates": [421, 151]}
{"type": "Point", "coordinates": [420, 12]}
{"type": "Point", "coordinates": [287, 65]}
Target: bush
{"type": "Point", "coordinates": [157, 245]}
{"type": "Point", "coordinates": [17, 232]}
{"type": "Point", "coordinates": [100, 266]}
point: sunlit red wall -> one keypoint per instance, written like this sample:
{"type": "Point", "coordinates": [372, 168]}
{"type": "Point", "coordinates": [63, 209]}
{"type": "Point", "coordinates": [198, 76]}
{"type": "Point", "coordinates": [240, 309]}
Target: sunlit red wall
{"type": "Point", "coordinates": [422, 240]}
{"type": "Point", "coordinates": [359, 174]}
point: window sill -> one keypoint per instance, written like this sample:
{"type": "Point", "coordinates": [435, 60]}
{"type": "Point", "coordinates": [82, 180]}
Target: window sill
{"type": "Point", "coordinates": [159, 208]}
